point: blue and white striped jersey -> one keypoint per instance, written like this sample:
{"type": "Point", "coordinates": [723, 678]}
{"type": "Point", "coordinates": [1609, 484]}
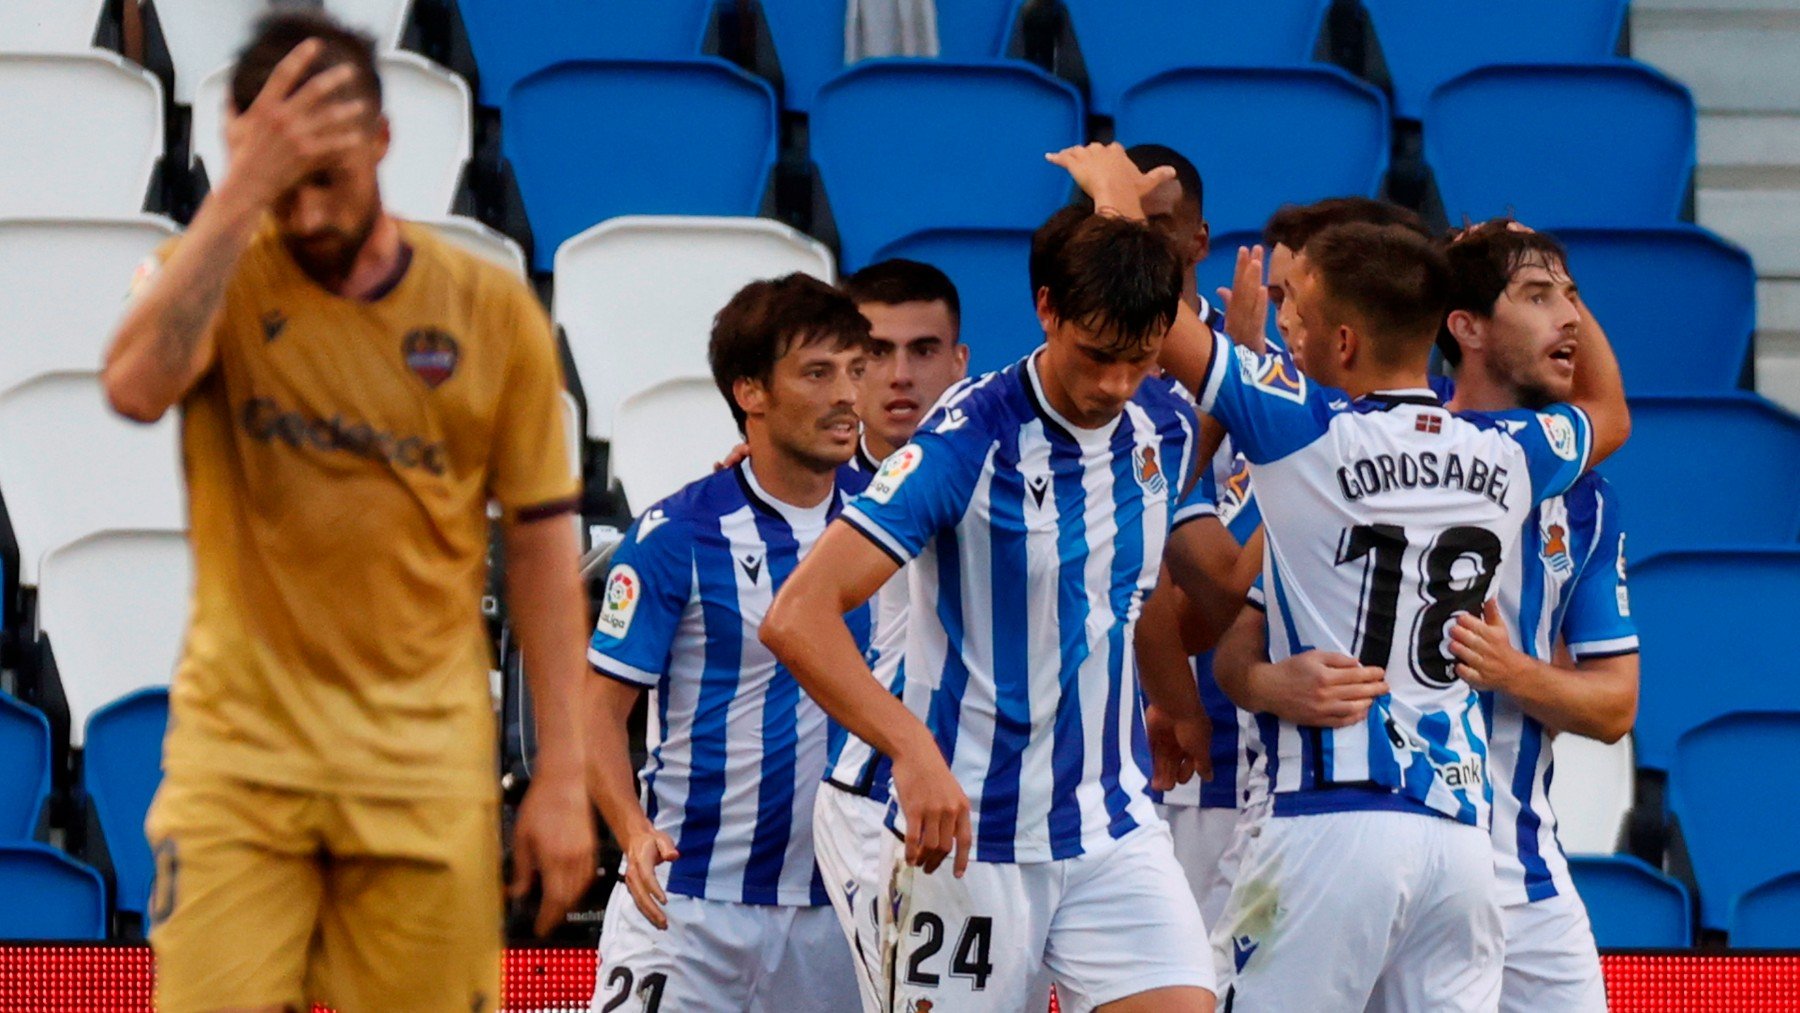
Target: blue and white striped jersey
{"type": "Point", "coordinates": [1384, 517]}
{"type": "Point", "coordinates": [736, 748]}
{"type": "Point", "coordinates": [1566, 583]}
{"type": "Point", "coordinates": [1035, 543]}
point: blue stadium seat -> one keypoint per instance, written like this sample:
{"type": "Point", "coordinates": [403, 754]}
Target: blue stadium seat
{"type": "Point", "coordinates": [1599, 144]}
{"type": "Point", "coordinates": [49, 896]}
{"type": "Point", "coordinates": [907, 145]}
{"type": "Point", "coordinates": [25, 760]}
{"type": "Point", "coordinates": [121, 769]}
{"type": "Point", "coordinates": [1630, 904]}
{"type": "Point", "coordinates": [1633, 278]}
{"type": "Point", "coordinates": [1718, 791]}
{"type": "Point", "coordinates": [991, 269]}
{"type": "Point", "coordinates": [1216, 116]}
{"type": "Point", "coordinates": [976, 29]}
{"type": "Point", "coordinates": [1767, 916]}
{"type": "Point", "coordinates": [512, 38]}
{"type": "Point", "coordinates": [591, 140]}
{"type": "Point", "coordinates": [1740, 440]}
{"type": "Point", "coordinates": [809, 39]}
{"type": "Point", "coordinates": [1428, 42]}
{"type": "Point", "coordinates": [1216, 271]}
{"type": "Point", "coordinates": [1124, 43]}
{"type": "Point", "coordinates": [1710, 624]}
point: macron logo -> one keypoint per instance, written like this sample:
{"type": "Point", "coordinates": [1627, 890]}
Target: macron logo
{"type": "Point", "coordinates": [954, 419]}
{"type": "Point", "coordinates": [652, 520]}
{"type": "Point", "coordinates": [1242, 949]}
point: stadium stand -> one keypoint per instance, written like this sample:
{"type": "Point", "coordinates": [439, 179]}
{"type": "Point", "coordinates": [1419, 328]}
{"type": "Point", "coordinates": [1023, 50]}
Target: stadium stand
{"type": "Point", "coordinates": [65, 27]}
{"type": "Point", "coordinates": [1734, 842]}
{"type": "Point", "coordinates": [1767, 916]}
{"type": "Point", "coordinates": [99, 163]}
{"type": "Point", "coordinates": [67, 279]}
{"type": "Point", "coordinates": [881, 130]}
{"type": "Point", "coordinates": [1619, 149]}
{"type": "Point", "coordinates": [635, 297]}
{"type": "Point", "coordinates": [203, 35]}
{"type": "Point", "coordinates": [479, 239]}
{"type": "Point", "coordinates": [120, 770]}
{"type": "Point", "coordinates": [1631, 904]}
{"type": "Point", "coordinates": [512, 39]}
{"type": "Point", "coordinates": [25, 758]}
{"type": "Point", "coordinates": [1590, 792]}
{"type": "Point", "coordinates": [666, 434]}
{"type": "Point", "coordinates": [49, 896]}
{"type": "Point", "coordinates": [1263, 109]}
{"type": "Point", "coordinates": [1427, 42]}
{"type": "Point", "coordinates": [991, 269]}
{"type": "Point", "coordinates": [592, 140]}
{"type": "Point", "coordinates": [974, 29]}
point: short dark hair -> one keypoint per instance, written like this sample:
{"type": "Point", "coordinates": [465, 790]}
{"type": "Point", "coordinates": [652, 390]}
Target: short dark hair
{"type": "Point", "coordinates": [279, 32]}
{"type": "Point", "coordinates": [897, 280]}
{"type": "Point", "coordinates": [768, 319]}
{"type": "Point", "coordinates": [1108, 274]}
{"type": "Point", "coordinates": [1155, 156]}
{"type": "Point", "coordinates": [1394, 281]}
{"type": "Point", "coordinates": [1483, 260]}
{"type": "Point", "coordinates": [1296, 224]}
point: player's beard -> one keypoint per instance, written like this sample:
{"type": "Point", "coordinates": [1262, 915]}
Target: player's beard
{"type": "Point", "coordinates": [327, 256]}
{"type": "Point", "coordinates": [1518, 367]}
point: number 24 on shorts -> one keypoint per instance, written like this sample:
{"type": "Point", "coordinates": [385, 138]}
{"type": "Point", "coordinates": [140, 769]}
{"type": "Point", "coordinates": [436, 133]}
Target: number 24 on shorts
{"type": "Point", "coordinates": [970, 959]}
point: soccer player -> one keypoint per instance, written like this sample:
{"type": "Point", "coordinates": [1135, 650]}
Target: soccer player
{"type": "Point", "coordinates": [721, 906]}
{"type": "Point", "coordinates": [1033, 506]}
{"type": "Point", "coordinates": [1515, 320]}
{"type": "Point", "coordinates": [354, 392]}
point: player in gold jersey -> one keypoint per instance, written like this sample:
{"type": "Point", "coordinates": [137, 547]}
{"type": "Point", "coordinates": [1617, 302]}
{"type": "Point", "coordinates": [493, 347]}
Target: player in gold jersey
{"type": "Point", "coordinates": [354, 393]}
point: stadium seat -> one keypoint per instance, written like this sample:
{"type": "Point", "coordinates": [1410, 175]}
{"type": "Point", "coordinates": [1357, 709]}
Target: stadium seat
{"type": "Point", "coordinates": [1716, 783]}
{"type": "Point", "coordinates": [25, 757]}
{"type": "Point", "coordinates": [1631, 904]}
{"type": "Point", "coordinates": [1590, 791]}
{"type": "Point", "coordinates": [906, 145]}
{"type": "Point", "coordinates": [120, 770]}
{"type": "Point", "coordinates": [976, 29]}
{"type": "Point", "coordinates": [1618, 150]}
{"type": "Point", "coordinates": [669, 434]}
{"type": "Point", "coordinates": [991, 269]}
{"type": "Point", "coordinates": [203, 35]}
{"type": "Point", "coordinates": [49, 896]}
{"type": "Point", "coordinates": [1428, 42]}
{"type": "Point", "coordinates": [67, 279]}
{"type": "Point", "coordinates": [1627, 277]}
{"type": "Point", "coordinates": [1740, 439]}
{"type": "Point", "coordinates": [480, 240]}
{"type": "Point", "coordinates": [66, 26]}
{"type": "Point", "coordinates": [1767, 916]}
{"type": "Point", "coordinates": [636, 296]}
{"type": "Point", "coordinates": [69, 467]}
{"type": "Point", "coordinates": [808, 36]}
{"type": "Point", "coordinates": [592, 140]}
{"type": "Point", "coordinates": [1263, 110]}
{"type": "Point", "coordinates": [55, 164]}
{"type": "Point", "coordinates": [512, 38]}
{"type": "Point", "coordinates": [1707, 621]}
{"type": "Point", "coordinates": [1123, 44]}
{"type": "Point", "coordinates": [115, 607]}
{"type": "Point", "coordinates": [384, 20]}
{"type": "Point", "coordinates": [433, 133]}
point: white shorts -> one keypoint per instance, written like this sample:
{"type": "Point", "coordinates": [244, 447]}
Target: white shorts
{"type": "Point", "coordinates": [1551, 959]}
{"type": "Point", "coordinates": [721, 957]}
{"type": "Point", "coordinates": [1203, 840]}
{"type": "Point", "coordinates": [850, 838]}
{"type": "Point", "coordinates": [1105, 925]}
{"type": "Point", "coordinates": [1362, 911]}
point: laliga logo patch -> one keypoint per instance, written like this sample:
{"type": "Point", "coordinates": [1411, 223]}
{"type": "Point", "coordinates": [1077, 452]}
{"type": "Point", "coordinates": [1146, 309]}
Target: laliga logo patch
{"type": "Point", "coordinates": [1556, 550]}
{"type": "Point", "coordinates": [1149, 472]}
{"type": "Point", "coordinates": [894, 470]}
{"type": "Point", "coordinates": [1273, 374]}
{"type": "Point", "coordinates": [623, 589]}
{"type": "Point", "coordinates": [1561, 435]}
{"type": "Point", "coordinates": [431, 354]}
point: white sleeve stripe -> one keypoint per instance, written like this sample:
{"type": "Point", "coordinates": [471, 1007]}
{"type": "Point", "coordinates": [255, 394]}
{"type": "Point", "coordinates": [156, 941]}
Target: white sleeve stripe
{"type": "Point", "coordinates": [1616, 645]}
{"type": "Point", "coordinates": [1193, 513]}
{"type": "Point", "coordinates": [1587, 429]}
{"type": "Point", "coordinates": [1215, 373]}
{"type": "Point", "coordinates": [608, 665]}
{"type": "Point", "coordinates": [875, 533]}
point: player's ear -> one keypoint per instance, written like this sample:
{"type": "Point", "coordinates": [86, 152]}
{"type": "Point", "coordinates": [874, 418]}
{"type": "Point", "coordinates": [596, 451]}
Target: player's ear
{"type": "Point", "coordinates": [1349, 343]}
{"type": "Point", "coordinates": [961, 352]}
{"type": "Point", "coordinates": [1202, 241]}
{"type": "Point", "coordinates": [751, 394]}
{"type": "Point", "coordinates": [1046, 316]}
{"type": "Point", "coordinates": [384, 136]}
{"type": "Point", "coordinates": [1466, 329]}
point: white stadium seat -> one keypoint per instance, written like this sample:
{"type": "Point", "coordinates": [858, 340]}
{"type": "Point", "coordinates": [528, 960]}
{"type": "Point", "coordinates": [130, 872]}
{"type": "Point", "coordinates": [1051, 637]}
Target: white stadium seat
{"type": "Point", "coordinates": [480, 240]}
{"type": "Point", "coordinates": [668, 435]}
{"type": "Point", "coordinates": [433, 134]}
{"type": "Point", "coordinates": [203, 35]}
{"type": "Point", "coordinates": [1591, 791]}
{"type": "Point", "coordinates": [69, 467]}
{"type": "Point", "coordinates": [66, 284]}
{"type": "Point", "coordinates": [382, 19]}
{"type": "Point", "coordinates": [637, 295]}
{"type": "Point", "coordinates": [81, 135]}
{"type": "Point", "coordinates": [115, 606]}
{"type": "Point", "coordinates": [49, 26]}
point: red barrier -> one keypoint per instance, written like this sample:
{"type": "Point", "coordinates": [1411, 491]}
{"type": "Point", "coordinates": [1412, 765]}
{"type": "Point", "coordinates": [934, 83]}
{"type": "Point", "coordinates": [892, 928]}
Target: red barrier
{"type": "Point", "coordinates": [117, 979]}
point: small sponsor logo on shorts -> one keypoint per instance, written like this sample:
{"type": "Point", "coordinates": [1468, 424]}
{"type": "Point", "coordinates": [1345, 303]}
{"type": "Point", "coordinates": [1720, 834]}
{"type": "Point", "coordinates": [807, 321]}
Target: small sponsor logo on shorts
{"type": "Point", "coordinates": [1242, 949]}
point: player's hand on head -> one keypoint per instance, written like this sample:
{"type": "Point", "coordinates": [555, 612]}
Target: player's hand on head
{"type": "Point", "coordinates": [1484, 651]}
{"type": "Point", "coordinates": [554, 841]}
{"type": "Point", "coordinates": [643, 854]}
{"type": "Point", "coordinates": [289, 132]}
{"type": "Point", "coordinates": [1246, 302]}
{"type": "Point", "coordinates": [1108, 176]}
{"type": "Point", "coordinates": [936, 810]}
{"type": "Point", "coordinates": [1322, 689]}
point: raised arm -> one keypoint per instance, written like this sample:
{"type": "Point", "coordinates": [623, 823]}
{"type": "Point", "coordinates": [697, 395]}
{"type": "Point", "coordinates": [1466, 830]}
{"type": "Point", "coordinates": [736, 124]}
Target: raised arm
{"type": "Point", "coordinates": [1599, 389]}
{"type": "Point", "coordinates": [166, 340]}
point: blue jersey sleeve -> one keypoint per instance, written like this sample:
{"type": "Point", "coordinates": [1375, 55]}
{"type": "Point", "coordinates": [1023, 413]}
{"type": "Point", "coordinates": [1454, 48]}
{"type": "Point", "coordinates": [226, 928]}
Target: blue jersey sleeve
{"type": "Point", "coordinates": [1598, 622]}
{"type": "Point", "coordinates": [1558, 442]}
{"type": "Point", "coordinates": [922, 488]}
{"type": "Point", "coordinates": [1267, 405]}
{"type": "Point", "coordinates": [646, 591]}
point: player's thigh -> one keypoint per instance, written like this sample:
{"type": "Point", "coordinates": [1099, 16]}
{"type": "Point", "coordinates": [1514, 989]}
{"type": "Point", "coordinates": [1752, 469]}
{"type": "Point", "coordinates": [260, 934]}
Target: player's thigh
{"type": "Point", "coordinates": [1551, 960]}
{"type": "Point", "coordinates": [813, 970]}
{"type": "Point", "coordinates": [236, 896]}
{"type": "Point", "coordinates": [849, 840]}
{"type": "Point", "coordinates": [706, 960]}
{"type": "Point", "coordinates": [1244, 824]}
{"type": "Point", "coordinates": [1449, 952]}
{"type": "Point", "coordinates": [412, 914]}
{"type": "Point", "coordinates": [1126, 925]}
{"type": "Point", "coordinates": [975, 943]}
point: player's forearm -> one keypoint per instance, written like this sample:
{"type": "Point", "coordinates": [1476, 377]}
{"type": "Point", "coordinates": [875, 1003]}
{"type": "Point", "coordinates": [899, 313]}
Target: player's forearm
{"type": "Point", "coordinates": [611, 781]}
{"type": "Point", "coordinates": [1600, 388]}
{"type": "Point", "coordinates": [165, 340]}
{"type": "Point", "coordinates": [1187, 353]}
{"type": "Point", "coordinates": [549, 610]}
{"type": "Point", "coordinates": [1596, 699]}
{"type": "Point", "coordinates": [1164, 669]}
{"type": "Point", "coordinates": [1202, 560]}
{"type": "Point", "coordinates": [1242, 649]}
